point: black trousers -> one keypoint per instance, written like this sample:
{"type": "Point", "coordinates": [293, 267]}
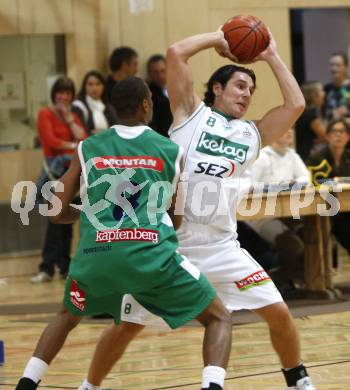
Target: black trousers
{"type": "Point", "coordinates": [57, 247]}
{"type": "Point", "coordinates": [341, 228]}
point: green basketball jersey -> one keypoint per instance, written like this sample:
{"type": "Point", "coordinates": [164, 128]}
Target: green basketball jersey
{"type": "Point", "coordinates": [127, 240]}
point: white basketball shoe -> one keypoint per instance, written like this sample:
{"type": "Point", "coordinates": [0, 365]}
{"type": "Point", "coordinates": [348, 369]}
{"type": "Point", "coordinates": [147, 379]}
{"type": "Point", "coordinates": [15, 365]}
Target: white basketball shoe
{"type": "Point", "coordinates": [303, 384]}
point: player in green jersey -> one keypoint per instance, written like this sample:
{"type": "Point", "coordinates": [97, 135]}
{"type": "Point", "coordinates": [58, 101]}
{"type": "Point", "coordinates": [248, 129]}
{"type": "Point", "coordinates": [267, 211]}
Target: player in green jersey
{"type": "Point", "coordinates": [128, 242]}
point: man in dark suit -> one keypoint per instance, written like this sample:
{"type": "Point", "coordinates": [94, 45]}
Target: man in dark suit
{"type": "Point", "coordinates": [162, 118]}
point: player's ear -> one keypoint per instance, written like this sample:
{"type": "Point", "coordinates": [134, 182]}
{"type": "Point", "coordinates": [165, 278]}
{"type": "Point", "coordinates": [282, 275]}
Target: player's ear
{"type": "Point", "coordinates": [147, 105]}
{"type": "Point", "coordinates": [217, 89]}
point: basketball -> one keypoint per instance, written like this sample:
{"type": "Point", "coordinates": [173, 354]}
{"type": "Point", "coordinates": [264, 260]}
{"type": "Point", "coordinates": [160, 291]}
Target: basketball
{"type": "Point", "coordinates": [247, 37]}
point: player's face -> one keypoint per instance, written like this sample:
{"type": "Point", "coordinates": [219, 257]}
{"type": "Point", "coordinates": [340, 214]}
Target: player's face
{"type": "Point", "coordinates": [157, 73]}
{"type": "Point", "coordinates": [94, 87]}
{"type": "Point", "coordinates": [235, 98]}
{"type": "Point", "coordinates": [338, 68]}
{"type": "Point", "coordinates": [338, 136]}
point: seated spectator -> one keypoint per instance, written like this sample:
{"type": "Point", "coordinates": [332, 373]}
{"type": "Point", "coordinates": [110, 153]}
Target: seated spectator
{"type": "Point", "coordinates": [162, 117]}
{"type": "Point", "coordinates": [91, 106]}
{"type": "Point", "coordinates": [333, 161]}
{"type": "Point", "coordinates": [60, 130]}
{"type": "Point", "coordinates": [123, 63]}
{"type": "Point", "coordinates": [309, 128]}
{"type": "Point", "coordinates": [279, 164]}
{"type": "Point", "coordinates": [337, 102]}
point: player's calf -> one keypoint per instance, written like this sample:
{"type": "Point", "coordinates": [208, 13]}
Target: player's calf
{"type": "Point", "coordinates": [49, 344]}
{"type": "Point", "coordinates": [285, 340]}
{"type": "Point", "coordinates": [217, 344]}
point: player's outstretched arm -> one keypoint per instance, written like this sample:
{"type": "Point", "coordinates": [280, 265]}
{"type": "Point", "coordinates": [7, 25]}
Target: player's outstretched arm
{"type": "Point", "coordinates": [278, 120]}
{"type": "Point", "coordinates": [183, 99]}
{"type": "Point", "coordinates": [71, 184]}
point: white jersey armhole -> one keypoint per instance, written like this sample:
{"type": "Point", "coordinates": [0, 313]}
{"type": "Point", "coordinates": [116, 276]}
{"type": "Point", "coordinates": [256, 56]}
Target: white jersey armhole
{"type": "Point", "coordinates": [184, 123]}
{"type": "Point", "coordinates": [253, 125]}
{"type": "Point", "coordinates": [177, 166]}
{"type": "Point", "coordinates": [82, 162]}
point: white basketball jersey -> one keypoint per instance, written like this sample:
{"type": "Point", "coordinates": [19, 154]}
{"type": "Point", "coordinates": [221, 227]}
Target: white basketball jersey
{"type": "Point", "coordinates": [217, 151]}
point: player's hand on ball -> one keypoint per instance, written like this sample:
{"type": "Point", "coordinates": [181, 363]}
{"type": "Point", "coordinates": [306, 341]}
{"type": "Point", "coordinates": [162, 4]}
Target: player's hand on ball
{"type": "Point", "coordinates": [222, 47]}
{"type": "Point", "coordinates": [269, 52]}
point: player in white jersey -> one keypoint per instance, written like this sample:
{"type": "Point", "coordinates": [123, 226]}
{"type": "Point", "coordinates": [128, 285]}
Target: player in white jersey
{"type": "Point", "coordinates": [219, 147]}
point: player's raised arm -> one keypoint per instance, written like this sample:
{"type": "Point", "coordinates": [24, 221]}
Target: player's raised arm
{"type": "Point", "coordinates": [183, 99]}
{"type": "Point", "coordinates": [278, 120]}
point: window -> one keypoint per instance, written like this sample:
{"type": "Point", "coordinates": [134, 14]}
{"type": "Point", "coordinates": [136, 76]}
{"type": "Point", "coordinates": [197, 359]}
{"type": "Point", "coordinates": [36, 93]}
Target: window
{"type": "Point", "coordinates": [29, 65]}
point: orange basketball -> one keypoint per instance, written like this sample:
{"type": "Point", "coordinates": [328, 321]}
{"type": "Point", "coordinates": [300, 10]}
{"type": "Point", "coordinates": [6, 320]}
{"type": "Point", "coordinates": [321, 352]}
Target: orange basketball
{"type": "Point", "coordinates": [247, 37]}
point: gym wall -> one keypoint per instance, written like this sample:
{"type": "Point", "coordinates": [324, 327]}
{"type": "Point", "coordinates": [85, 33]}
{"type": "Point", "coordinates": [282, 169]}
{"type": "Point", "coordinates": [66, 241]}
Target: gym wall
{"type": "Point", "coordinates": [94, 27]}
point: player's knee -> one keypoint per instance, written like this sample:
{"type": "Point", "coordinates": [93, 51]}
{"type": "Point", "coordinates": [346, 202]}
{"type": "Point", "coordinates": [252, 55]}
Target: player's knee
{"type": "Point", "coordinates": [224, 317]}
{"type": "Point", "coordinates": [69, 320]}
{"type": "Point", "coordinates": [128, 330]}
{"type": "Point", "coordinates": [215, 312]}
{"type": "Point", "coordinates": [280, 317]}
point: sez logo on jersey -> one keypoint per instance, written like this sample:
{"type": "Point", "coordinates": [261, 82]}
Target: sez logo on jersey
{"type": "Point", "coordinates": [218, 146]}
{"type": "Point", "coordinates": [222, 170]}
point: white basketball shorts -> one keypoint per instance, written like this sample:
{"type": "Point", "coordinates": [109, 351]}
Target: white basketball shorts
{"type": "Point", "coordinates": [240, 282]}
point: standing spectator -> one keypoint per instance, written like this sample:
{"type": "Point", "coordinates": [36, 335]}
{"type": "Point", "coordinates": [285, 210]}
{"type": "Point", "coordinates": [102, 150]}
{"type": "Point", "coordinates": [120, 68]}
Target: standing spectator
{"type": "Point", "coordinates": [91, 105]}
{"type": "Point", "coordinates": [333, 161]}
{"type": "Point", "coordinates": [123, 63]}
{"type": "Point", "coordinates": [337, 103]}
{"type": "Point", "coordinates": [162, 117]}
{"type": "Point", "coordinates": [59, 132]}
{"type": "Point", "coordinates": [309, 128]}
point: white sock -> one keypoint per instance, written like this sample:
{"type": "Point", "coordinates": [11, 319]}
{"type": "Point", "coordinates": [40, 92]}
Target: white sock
{"type": "Point", "coordinates": [88, 386]}
{"type": "Point", "coordinates": [35, 369]}
{"type": "Point", "coordinates": [213, 374]}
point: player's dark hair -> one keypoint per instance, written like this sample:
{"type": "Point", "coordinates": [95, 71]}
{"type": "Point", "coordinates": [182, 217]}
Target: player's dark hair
{"type": "Point", "coordinates": [222, 76]}
{"type": "Point", "coordinates": [119, 55]}
{"type": "Point", "coordinates": [332, 123]}
{"type": "Point", "coordinates": [128, 95]}
{"type": "Point", "coordinates": [343, 55]}
{"type": "Point", "coordinates": [153, 59]}
{"type": "Point", "coordinates": [62, 84]}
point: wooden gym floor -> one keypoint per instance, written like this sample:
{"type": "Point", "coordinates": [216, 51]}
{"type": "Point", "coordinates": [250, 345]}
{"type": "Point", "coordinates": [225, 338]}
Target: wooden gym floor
{"type": "Point", "coordinates": [158, 359]}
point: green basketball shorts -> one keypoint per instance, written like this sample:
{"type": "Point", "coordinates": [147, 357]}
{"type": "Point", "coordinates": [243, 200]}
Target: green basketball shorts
{"type": "Point", "coordinates": [177, 299]}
